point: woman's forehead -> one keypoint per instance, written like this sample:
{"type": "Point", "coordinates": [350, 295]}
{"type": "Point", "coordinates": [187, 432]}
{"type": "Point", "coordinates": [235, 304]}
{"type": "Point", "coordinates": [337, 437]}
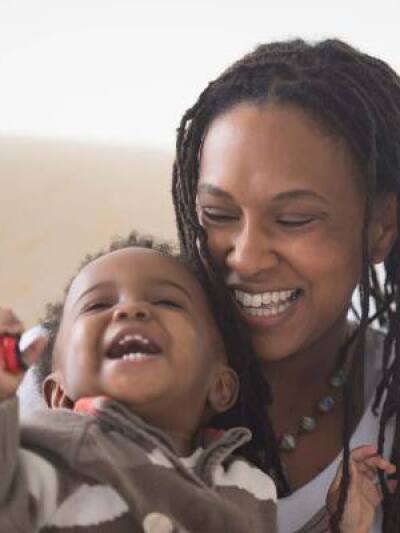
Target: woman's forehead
{"type": "Point", "coordinates": [273, 149]}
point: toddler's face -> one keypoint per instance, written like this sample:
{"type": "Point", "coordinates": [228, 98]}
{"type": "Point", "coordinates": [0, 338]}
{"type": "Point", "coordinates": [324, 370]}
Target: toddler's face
{"type": "Point", "coordinates": [136, 327]}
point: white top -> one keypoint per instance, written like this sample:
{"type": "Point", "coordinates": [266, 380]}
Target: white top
{"type": "Point", "coordinates": [296, 510]}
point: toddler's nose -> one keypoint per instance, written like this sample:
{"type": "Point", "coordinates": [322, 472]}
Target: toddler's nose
{"type": "Point", "coordinates": [133, 311]}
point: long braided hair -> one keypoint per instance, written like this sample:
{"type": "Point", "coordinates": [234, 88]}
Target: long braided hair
{"type": "Point", "coordinates": [355, 97]}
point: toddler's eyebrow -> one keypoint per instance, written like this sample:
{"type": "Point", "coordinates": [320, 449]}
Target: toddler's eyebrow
{"type": "Point", "coordinates": [100, 285]}
{"type": "Point", "coordinates": [155, 282]}
{"type": "Point", "coordinates": [174, 284]}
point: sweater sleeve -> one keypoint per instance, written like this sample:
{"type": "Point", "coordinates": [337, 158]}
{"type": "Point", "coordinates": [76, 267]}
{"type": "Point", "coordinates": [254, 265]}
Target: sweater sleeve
{"type": "Point", "coordinates": [250, 490]}
{"type": "Point", "coordinates": [28, 482]}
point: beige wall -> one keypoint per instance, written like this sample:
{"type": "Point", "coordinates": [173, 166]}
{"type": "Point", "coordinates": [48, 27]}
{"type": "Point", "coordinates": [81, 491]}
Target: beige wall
{"type": "Point", "coordinates": [59, 201]}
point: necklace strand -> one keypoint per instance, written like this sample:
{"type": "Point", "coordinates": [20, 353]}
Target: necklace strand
{"type": "Point", "coordinates": [308, 423]}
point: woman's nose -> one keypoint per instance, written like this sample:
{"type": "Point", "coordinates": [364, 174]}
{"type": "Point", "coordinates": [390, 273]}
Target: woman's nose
{"type": "Point", "coordinates": [133, 311]}
{"type": "Point", "coordinates": [252, 252]}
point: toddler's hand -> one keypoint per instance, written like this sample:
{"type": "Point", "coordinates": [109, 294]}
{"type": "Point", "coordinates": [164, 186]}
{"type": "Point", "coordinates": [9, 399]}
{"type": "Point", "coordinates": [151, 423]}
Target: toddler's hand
{"type": "Point", "coordinates": [11, 325]}
{"type": "Point", "coordinates": [364, 493]}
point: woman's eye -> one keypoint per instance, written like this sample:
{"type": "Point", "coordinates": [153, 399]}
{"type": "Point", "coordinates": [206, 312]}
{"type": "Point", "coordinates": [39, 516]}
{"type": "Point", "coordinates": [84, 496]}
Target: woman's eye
{"type": "Point", "coordinates": [295, 222]}
{"type": "Point", "coordinates": [216, 215]}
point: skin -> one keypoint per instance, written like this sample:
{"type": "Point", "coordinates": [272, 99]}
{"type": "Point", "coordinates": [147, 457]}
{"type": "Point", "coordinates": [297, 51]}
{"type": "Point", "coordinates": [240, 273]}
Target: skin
{"type": "Point", "coordinates": [283, 207]}
{"type": "Point", "coordinates": [364, 494]}
{"type": "Point", "coordinates": [139, 291]}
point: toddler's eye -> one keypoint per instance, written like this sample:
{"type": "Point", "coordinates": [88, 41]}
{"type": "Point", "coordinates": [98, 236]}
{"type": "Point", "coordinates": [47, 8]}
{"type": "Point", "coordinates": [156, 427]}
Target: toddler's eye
{"type": "Point", "coordinates": [96, 306]}
{"type": "Point", "coordinates": [166, 302]}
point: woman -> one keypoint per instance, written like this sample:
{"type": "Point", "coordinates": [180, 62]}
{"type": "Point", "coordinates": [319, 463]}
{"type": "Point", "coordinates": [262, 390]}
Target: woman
{"type": "Point", "coordinates": [286, 185]}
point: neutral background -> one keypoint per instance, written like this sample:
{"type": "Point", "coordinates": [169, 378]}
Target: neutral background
{"type": "Point", "coordinates": [91, 93]}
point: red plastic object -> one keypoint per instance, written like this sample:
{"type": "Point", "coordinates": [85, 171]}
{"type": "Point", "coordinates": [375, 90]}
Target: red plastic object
{"type": "Point", "coordinates": [90, 405]}
{"type": "Point", "coordinates": [10, 354]}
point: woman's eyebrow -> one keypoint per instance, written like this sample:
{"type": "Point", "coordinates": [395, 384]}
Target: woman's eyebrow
{"type": "Point", "coordinates": [212, 189]}
{"type": "Point", "coordinates": [295, 194]}
{"type": "Point", "coordinates": [299, 194]}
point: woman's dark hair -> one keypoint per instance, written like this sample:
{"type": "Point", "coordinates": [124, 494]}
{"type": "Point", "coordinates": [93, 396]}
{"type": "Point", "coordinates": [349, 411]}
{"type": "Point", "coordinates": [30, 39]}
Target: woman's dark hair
{"type": "Point", "coordinates": [237, 346]}
{"type": "Point", "coordinates": [355, 97]}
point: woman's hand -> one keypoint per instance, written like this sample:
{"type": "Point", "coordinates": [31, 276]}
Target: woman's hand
{"type": "Point", "coordinates": [364, 495]}
{"type": "Point", "coordinates": [11, 325]}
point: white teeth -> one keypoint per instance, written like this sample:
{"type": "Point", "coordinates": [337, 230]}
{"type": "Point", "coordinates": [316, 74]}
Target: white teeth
{"type": "Point", "coordinates": [135, 356]}
{"type": "Point", "coordinates": [266, 311]}
{"type": "Point", "coordinates": [257, 300]}
{"type": "Point", "coordinates": [130, 338]}
{"type": "Point", "coordinates": [246, 300]}
{"type": "Point", "coordinates": [266, 298]}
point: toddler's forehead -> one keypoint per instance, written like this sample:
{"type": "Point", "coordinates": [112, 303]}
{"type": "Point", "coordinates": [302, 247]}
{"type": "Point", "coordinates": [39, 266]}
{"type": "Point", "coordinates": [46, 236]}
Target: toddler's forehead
{"type": "Point", "coordinates": [140, 264]}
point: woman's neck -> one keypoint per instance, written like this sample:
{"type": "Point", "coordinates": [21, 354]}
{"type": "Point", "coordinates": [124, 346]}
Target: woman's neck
{"type": "Point", "coordinates": [312, 365]}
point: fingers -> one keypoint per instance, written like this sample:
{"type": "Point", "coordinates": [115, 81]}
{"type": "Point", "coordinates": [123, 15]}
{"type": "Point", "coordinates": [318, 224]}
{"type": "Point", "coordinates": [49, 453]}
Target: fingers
{"type": "Point", "coordinates": [365, 487]}
{"type": "Point", "coordinates": [364, 493]}
{"type": "Point", "coordinates": [8, 383]}
{"type": "Point", "coordinates": [378, 462]}
{"type": "Point", "coordinates": [364, 464]}
{"type": "Point", "coordinates": [363, 452]}
{"type": "Point", "coordinates": [9, 322]}
{"type": "Point", "coordinates": [12, 361]}
{"type": "Point", "coordinates": [16, 356]}
{"type": "Point", "coordinates": [367, 461]}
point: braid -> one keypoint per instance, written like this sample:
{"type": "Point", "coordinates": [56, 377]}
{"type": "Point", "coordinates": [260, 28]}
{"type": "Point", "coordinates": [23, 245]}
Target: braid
{"type": "Point", "coordinates": [355, 97]}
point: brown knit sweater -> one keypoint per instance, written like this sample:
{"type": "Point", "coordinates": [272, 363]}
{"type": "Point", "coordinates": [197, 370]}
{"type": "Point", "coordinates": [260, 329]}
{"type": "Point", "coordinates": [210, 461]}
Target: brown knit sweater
{"type": "Point", "coordinates": [113, 473]}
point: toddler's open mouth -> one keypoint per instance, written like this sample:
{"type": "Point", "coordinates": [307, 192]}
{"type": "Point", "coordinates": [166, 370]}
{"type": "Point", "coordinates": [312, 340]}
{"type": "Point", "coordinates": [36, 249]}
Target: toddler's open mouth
{"type": "Point", "coordinates": [133, 346]}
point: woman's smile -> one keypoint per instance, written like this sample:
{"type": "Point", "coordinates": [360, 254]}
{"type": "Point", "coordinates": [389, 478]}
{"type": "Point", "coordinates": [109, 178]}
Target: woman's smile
{"type": "Point", "coordinates": [269, 307]}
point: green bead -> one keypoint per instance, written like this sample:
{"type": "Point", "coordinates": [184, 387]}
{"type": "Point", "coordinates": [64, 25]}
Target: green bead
{"type": "Point", "coordinates": [308, 423]}
{"type": "Point", "coordinates": [326, 404]}
{"type": "Point", "coordinates": [288, 442]}
{"type": "Point", "coordinates": [338, 379]}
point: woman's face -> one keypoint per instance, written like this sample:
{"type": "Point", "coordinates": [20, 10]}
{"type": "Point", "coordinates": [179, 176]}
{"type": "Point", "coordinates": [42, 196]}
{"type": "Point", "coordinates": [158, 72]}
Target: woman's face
{"type": "Point", "coordinates": [283, 208]}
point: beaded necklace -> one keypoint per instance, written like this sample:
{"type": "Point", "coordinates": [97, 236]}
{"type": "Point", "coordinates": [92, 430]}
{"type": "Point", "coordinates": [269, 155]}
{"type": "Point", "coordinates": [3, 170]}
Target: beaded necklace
{"type": "Point", "coordinates": [308, 423]}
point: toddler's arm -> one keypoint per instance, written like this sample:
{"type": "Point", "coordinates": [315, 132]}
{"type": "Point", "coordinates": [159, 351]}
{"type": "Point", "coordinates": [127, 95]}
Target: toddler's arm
{"type": "Point", "coordinates": [364, 495]}
{"type": "Point", "coordinates": [19, 470]}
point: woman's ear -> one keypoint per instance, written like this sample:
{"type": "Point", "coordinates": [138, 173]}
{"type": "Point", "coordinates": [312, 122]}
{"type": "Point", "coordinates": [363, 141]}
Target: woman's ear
{"type": "Point", "coordinates": [384, 230]}
{"type": "Point", "coordinates": [54, 393]}
{"type": "Point", "coordinates": [224, 389]}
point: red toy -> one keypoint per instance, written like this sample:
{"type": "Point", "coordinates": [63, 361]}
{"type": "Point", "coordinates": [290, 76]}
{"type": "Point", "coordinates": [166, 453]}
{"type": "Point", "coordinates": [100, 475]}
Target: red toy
{"type": "Point", "coordinates": [11, 354]}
